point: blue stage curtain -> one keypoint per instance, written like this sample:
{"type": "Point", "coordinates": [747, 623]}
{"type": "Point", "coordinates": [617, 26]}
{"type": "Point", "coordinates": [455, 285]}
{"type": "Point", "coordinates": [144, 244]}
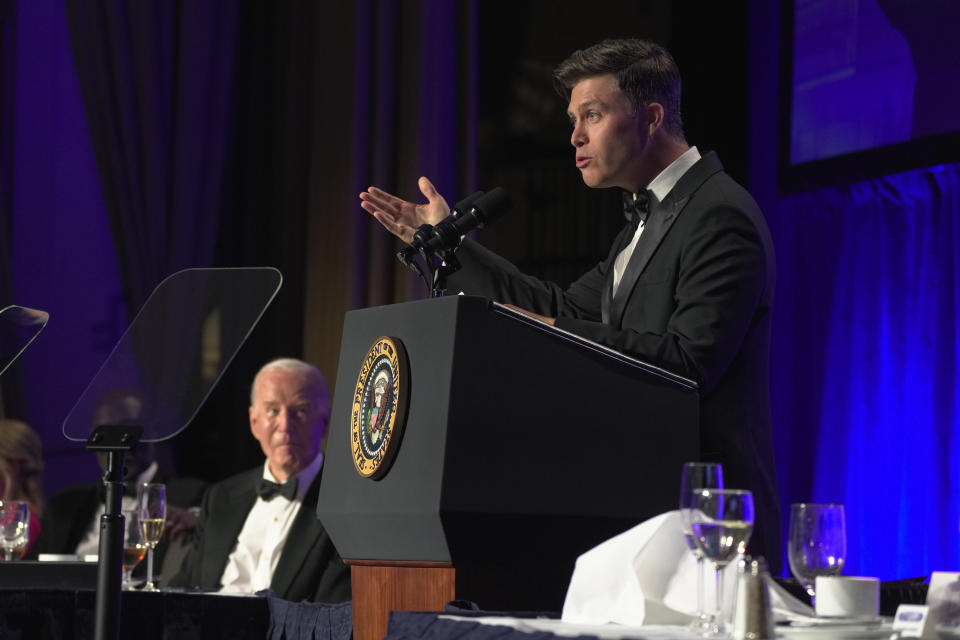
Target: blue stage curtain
{"type": "Point", "coordinates": [865, 365]}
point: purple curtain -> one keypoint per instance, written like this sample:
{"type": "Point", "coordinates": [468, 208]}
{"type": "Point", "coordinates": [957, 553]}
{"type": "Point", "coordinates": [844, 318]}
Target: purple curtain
{"type": "Point", "coordinates": [10, 403]}
{"type": "Point", "coordinates": [414, 95]}
{"type": "Point", "coordinates": [7, 59]}
{"type": "Point", "coordinates": [156, 79]}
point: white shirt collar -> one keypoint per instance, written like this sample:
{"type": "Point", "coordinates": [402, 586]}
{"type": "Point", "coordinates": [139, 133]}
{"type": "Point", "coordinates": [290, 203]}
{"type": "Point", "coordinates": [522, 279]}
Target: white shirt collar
{"type": "Point", "coordinates": [304, 477]}
{"type": "Point", "coordinates": [668, 178]}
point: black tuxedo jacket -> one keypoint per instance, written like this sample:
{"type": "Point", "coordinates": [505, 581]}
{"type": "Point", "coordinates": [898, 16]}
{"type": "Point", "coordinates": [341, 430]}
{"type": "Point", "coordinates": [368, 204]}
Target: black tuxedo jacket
{"type": "Point", "coordinates": [69, 513]}
{"type": "Point", "coordinates": [309, 568]}
{"type": "Point", "coordinates": [695, 299]}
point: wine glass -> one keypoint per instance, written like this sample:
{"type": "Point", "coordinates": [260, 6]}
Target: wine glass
{"type": "Point", "coordinates": [14, 527]}
{"type": "Point", "coordinates": [722, 521]}
{"type": "Point", "coordinates": [697, 475]}
{"type": "Point", "coordinates": [817, 544]}
{"type": "Point", "coordinates": [134, 548]}
{"type": "Point", "coordinates": [152, 502]}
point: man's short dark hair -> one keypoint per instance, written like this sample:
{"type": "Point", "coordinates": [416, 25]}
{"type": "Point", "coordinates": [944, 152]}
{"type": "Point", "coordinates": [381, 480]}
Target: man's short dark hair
{"type": "Point", "coordinates": [645, 72]}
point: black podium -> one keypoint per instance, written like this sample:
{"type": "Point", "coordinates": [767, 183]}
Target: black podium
{"type": "Point", "coordinates": [524, 446]}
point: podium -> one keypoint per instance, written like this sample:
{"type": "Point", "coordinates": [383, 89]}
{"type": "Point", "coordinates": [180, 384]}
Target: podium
{"type": "Point", "coordinates": [523, 446]}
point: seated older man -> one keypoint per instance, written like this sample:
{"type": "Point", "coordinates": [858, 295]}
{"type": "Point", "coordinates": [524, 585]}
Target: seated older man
{"type": "Point", "coordinates": [258, 530]}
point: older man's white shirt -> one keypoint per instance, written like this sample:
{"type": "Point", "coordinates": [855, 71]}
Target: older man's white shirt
{"type": "Point", "coordinates": [251, 565]}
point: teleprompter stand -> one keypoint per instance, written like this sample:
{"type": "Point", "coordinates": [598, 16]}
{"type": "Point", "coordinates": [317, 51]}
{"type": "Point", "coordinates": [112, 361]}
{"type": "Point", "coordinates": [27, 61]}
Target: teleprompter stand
{"type": "Point", "coordinates": [154, 382]}
{"type": "Point", "coordinates": [116, 441]}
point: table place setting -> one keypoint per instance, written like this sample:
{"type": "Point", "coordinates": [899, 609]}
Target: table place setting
{"type": "Point", "coordinates": [652, 575]}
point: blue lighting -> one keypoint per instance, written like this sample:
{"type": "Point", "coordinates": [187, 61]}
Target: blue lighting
{"type": "Point", "coordinates": [887, 442]}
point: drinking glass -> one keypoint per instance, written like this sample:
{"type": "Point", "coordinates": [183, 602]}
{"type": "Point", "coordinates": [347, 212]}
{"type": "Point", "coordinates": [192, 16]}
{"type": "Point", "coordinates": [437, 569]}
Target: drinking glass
{"type": "Point", "coordinates": [697, 475]}
{"type": "Point", "coordinates": [817, 544]}
{"type": "Point", "coordinates": [14, 527]}
{"type": "Point", "coordinates": [152, 503]}
{"type": "Point", "coordinates": [722, 521]}
{"type": "Point", "coordinates": [134, 548]}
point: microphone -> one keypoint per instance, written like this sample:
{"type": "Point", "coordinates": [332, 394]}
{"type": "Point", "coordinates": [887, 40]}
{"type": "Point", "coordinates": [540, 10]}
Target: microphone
{"type": "Point", "coordinates": [422, 235]}
{"type": "Point", "coordinates": [463, 207]}
{"type": "Point", "coordinates": [473, 212]}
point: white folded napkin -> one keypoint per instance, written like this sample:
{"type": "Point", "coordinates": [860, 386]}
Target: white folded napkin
{"type": "Point", "coordinates": [647, 575]}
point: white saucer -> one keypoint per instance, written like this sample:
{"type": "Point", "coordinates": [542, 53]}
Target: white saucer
{"type": "Point", "coordinates": [864, 621]}
{"type": "Point", "coordinates": [836, 632]}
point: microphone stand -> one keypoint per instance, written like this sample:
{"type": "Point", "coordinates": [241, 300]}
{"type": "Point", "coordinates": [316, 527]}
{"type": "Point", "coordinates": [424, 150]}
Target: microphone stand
{"type": "Point", "coordinates": [449, 265]}
{"type": "Point", "coordinates": [442, 240]}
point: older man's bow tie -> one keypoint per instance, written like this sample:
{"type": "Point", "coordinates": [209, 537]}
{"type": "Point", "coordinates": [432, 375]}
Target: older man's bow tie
{"type": "Point", "coordinates": [635, 210]}
{"type": "Point", "coordinates": [267, 489]}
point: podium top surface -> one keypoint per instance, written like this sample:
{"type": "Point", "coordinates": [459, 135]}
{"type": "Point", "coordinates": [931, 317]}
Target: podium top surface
{"type": "Point", "coordinates": [478, 303]}
{"type": "Point", "coordinates": [573, 338]}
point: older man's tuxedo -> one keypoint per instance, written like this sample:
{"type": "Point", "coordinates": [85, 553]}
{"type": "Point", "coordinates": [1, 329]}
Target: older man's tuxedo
{"type": "Point", "coordinates": [695, 299]}
{"type": "Point", "coordinates": [309, 568]}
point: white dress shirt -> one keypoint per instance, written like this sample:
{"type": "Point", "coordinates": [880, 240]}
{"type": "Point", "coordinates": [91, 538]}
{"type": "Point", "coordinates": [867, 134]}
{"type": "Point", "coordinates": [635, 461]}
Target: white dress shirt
{"type": "Point", "coordinates": [660, 187]}
{"type": "Point", "coordinates": [251, 565]}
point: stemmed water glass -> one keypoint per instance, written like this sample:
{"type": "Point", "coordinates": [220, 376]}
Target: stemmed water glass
{"type": "Point", "coordinates": [817, 544]}
{"type": "Point", "coordinates": [697, 475]}
{"type": "Point", "coordinates": [722, 521]}
{"type": "Point", "coordinates": [134, 547]}
{"type": "Point", "coordinates": [152, 503]}
{"type": "Point", "coordinates": [14, 527]}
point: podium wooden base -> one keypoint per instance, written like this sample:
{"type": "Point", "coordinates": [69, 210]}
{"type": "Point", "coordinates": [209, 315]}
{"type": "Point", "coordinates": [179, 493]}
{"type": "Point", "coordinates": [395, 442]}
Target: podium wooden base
{"type": "Point", "coordinates": [380, 587]}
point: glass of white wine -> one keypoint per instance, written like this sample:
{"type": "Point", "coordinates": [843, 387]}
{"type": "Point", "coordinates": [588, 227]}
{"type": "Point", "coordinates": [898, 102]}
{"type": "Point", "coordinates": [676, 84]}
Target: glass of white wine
{"type": "Point", "coordinates": [722, 521]}
{"type": "Point", "coordinates": [693, 475]}
{"type": "Point", "coordinates": [817, 543]}
{"type": "Point", "coordinates": [134, 548]}
{"type": "Point", "coordinates": [14, 527]}
{"type": "Point", "coordinates": [152, 503]}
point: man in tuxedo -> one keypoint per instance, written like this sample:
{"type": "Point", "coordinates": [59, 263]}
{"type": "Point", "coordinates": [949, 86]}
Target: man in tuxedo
{"type": "Point", "coordinates": [258, 530]}
{"type": "Point", "coordinates": [688, 284]}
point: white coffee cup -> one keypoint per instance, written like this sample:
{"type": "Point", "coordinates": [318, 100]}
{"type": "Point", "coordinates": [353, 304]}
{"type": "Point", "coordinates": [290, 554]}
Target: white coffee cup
{"type": "Point", "coordinates": [847, 596]}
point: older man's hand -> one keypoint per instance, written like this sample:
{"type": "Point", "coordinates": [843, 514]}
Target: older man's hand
{"type": "Point", "coordinates": [181, 523]}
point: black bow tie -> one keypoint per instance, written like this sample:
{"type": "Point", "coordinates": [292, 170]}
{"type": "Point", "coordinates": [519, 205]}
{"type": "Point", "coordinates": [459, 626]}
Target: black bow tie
{"type": "Point", "coordinates": [635, 210]}
{"type": "Point", "coordinates": [267, 489]}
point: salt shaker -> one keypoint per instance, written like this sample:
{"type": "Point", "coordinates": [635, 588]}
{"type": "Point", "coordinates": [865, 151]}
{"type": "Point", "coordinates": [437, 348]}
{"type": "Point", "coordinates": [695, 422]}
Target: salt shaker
{"type": "Point", "coordinates": [752, 618]}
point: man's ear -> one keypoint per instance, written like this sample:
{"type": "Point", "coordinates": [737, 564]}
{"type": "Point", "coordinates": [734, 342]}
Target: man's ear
{"type": "Point", "coordinates": [253, 428]}
{"type": "Point", "coordinates": [652, 117]}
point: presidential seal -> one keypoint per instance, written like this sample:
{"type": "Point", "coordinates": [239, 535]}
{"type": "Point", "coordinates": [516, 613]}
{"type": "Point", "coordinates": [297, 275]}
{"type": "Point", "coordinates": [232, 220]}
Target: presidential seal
{"type": "Point", "coordinates": [379, 408]}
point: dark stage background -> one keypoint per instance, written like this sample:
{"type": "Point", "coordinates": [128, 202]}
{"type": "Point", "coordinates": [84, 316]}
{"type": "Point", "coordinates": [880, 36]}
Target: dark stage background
{"type": "Point", "coordinates": [139, 138]}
